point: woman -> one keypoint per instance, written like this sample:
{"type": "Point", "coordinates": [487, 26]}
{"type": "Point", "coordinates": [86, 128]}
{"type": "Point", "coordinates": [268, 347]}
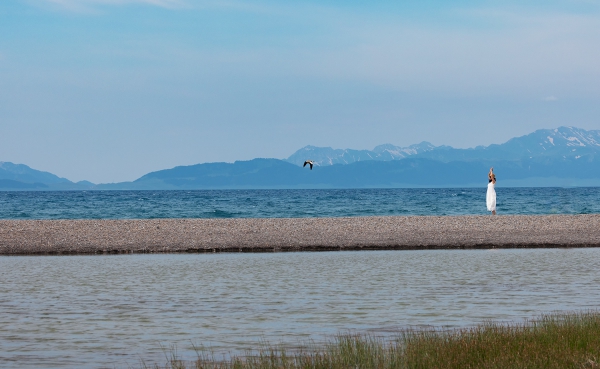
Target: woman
{"type": "Point", "coordinates": [490, 198]}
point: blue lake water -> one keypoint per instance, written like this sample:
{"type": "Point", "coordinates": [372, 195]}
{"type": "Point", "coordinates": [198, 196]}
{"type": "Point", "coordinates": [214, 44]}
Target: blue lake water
{"type": "Point", "coordinates": [292, 203]}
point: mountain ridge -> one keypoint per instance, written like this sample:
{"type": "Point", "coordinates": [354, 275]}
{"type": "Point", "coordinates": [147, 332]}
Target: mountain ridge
{"type": "Point", "coordinates": [560, 156]}
{"type": "Point", "coordinates": [328, 156]}
{"type": "Point", "coordinates": [22, 177]}
{"type": "Point", "coordinates": [561, 141]}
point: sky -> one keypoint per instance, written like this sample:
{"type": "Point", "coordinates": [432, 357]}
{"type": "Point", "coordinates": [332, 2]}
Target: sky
{"type": "Point", "coordinates": [109, 90]}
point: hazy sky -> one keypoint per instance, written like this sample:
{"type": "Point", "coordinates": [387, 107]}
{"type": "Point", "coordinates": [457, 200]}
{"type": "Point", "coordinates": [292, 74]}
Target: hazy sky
{"type": "Point", "coordinates": [108, 90]}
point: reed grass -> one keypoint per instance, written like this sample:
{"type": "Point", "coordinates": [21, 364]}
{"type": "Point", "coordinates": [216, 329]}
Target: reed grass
{"type": "Point", "coordinates": [551, 341]}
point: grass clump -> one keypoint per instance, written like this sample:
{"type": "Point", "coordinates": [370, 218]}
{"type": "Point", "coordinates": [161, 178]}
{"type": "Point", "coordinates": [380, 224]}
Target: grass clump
{"type": "Point", "coordinates": [551, 341]}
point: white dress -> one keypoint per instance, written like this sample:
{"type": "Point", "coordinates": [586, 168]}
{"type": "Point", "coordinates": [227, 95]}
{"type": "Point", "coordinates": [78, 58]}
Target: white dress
{"type": "Point", "coordinates": [490, 198]}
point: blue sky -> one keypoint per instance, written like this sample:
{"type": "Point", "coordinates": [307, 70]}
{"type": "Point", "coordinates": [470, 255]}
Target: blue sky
{"type": "Point", "coordinates": [108, 90]}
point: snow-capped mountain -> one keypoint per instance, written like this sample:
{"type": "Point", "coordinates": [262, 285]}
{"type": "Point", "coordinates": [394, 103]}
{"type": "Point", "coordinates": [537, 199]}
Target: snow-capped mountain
{"type": "Point", "coordinates": [563, 143]}
{"type": "Point", "coordinates": [324, 156]}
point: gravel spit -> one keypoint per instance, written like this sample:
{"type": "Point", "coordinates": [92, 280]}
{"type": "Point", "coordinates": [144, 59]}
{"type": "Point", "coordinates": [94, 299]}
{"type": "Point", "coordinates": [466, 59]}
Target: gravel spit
{"type": "Point", "coordinates": [47, 237]}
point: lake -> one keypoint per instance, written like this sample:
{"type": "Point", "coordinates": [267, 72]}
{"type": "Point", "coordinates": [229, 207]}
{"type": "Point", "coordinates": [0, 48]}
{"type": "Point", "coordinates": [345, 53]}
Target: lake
{"type": "Point", "coordinates": [112, 311]}
{"type": "Point", "coordinates": [293, 203]}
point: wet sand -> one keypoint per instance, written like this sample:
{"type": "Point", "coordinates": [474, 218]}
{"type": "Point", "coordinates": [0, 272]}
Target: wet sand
{"type": "Point", "coordinates": [22, 237]}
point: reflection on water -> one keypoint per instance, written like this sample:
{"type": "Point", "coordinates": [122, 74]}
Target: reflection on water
{"type": "Point", "coordinates": [107, 311]}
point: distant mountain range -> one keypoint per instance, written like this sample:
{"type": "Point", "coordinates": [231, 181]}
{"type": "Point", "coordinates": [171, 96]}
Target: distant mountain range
{"type": "Point", "coordinates": [22, 177]}
{"type": "Point", "coordinates": [566, 156]}
{"type": "Point", "coordinates": [324, 156]}
{"type": "Point", "coordinates": [563, 143]}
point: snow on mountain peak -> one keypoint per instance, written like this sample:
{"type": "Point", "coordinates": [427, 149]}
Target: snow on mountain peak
{"type": "Point", "coordinates": [559, 142]}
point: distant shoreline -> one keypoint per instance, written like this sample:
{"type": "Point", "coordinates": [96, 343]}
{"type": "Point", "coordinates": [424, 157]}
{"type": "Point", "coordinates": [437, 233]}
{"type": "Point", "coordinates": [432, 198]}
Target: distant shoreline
{"type": "Point", "coordinates": [70, 237]}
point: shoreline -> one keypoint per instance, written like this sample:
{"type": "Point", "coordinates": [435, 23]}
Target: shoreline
{"type": "Point", "coordinates": [557, 340]}
{"type": "Point", "coordinates": [72, 237]}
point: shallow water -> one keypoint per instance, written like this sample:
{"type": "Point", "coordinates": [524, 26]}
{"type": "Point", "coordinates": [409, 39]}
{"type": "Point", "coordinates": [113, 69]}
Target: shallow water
{"type": "Point", "coordinates": [293, 203]}
{"type": "Point", "coordinates": [110, 311]}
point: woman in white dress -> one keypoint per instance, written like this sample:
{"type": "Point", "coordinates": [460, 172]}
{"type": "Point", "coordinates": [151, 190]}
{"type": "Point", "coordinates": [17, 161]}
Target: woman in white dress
{"type": "Point", "coordinates": [490, 198]}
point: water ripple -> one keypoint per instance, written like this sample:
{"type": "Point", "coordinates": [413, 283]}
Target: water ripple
{"type": "Point", "coordinates": [292, 203]}
{"type": "Point", "coordinates": [71, 311]}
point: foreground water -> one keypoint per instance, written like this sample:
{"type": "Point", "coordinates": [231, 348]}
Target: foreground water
{"type": "Point", "coordinates": [110, 311]}
{"type": "Point", "coordinates": [292, 203]}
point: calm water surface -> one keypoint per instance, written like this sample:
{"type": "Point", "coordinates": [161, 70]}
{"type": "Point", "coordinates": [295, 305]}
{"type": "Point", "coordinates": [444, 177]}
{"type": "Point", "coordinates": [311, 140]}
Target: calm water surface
{"type": "Point", "coordinates": [110, 311]}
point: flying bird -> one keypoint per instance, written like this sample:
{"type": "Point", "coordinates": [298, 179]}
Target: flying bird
{"type": "Point", "coordinates": [309, 162]}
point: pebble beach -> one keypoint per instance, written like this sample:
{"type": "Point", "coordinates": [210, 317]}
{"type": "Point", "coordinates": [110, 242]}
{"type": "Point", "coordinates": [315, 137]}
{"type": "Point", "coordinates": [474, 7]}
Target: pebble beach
{"type": "Point", "coordinates": [52, 237]}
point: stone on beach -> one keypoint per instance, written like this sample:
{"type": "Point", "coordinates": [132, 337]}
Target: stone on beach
{"type": "Point", "coordinates": [296, 234]}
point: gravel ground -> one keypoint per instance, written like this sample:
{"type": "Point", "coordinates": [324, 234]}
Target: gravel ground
{"type": "Point", "coordinates": [260, 235]}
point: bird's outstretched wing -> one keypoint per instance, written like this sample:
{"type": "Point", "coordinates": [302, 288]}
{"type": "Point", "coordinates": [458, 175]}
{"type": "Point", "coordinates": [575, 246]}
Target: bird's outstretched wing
{"type": "Point", "coordinates": [306, 162]}
{"type": "Point", "coordinates": [311, 164]}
